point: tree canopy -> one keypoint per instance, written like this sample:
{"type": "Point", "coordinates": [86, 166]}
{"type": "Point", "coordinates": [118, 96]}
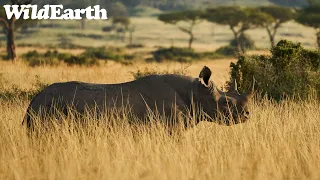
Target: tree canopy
{"type": "Point", "coordinates": [310, 16]}
{"type": "Point", "coordinates": [274, 17]}
{"type": "Point", "coordinates": [238, 19]}
{"type": "Point", "coordinates": [192, 17]}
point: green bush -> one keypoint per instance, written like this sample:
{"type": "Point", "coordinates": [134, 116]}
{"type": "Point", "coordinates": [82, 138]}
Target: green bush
{"type": "Point", "coordinates": [34, 58]}
{"type": "Point", "coordinates": [181, 55]}
{"type": "Point", "coordinates": [245, 41]}
{"type": "Point", "coordinates": [51, 58]}
{"type": "Point", "coordinates": [80, 60]}
{"type": "Point", "coordinates": [227, 51]}
{"type": "Point", "coordinates": [16, 92]}
{"type": "Point", "coordinates": [291, 71]}
{"type": "Point", "coordinates": [103, 53]}
{"type": "Point", "coordinates": [135, 46]}
{"type": "Point", "coordinates": [147, 72]}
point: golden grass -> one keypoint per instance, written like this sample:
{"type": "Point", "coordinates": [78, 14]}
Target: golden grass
{"type": "Point", "coordinates": [281, 141]}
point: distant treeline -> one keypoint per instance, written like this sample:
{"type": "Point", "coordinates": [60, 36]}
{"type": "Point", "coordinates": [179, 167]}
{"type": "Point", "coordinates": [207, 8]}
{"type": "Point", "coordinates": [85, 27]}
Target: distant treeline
{"type": "Point", "coordinates": [166, 4]}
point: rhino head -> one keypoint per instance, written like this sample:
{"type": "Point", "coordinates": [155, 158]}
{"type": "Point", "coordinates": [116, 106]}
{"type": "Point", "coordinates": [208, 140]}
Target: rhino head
{"type": "Point", "coordinates": [229, 107]}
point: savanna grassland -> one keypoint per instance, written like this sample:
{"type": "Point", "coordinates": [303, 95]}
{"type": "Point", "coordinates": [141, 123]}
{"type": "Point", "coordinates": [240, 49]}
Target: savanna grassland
{"type": "Point", "coordinates": [280, 141]}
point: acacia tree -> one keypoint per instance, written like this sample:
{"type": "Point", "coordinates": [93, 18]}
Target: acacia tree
{"type": "Point", "coordinates": [276, 16]}
{"type": "Point", "coordinates": [121, 25]}
{"type": "Point", "coordinates": [9, 26]}
{"type": "Point", "coordinates": [191, 17]}
{"type": "Point", "coordinates": [238, 19]}
{"type": "Point", "coordinates": [310, 16]}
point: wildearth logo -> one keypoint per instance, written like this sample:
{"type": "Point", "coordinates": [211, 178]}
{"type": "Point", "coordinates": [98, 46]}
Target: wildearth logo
{"type": "Point", "coordinates": [54, 12]}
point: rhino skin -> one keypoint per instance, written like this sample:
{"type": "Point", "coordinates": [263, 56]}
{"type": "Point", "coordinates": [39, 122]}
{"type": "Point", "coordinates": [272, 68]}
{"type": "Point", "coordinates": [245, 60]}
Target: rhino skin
{"type": "Point", "coordinates": [154, 92]}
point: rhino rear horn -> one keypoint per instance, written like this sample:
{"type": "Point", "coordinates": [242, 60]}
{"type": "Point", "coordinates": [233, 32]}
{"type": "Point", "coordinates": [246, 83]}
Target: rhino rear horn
{"type": "Point", "coordinates": [233, 86]}
{"type": "Point", "coordinates": [251, 89]}
{"type": "Point", "coordinates": [205, 74]}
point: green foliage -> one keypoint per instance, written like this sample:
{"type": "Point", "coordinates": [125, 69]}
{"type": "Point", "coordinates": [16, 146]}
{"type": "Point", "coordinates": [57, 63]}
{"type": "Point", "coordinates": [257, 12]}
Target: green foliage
{"type": "Point", "coordinates": [147, 72]}
{"type": "Point", "coordinates": [175, 17]}
{"type": "Point", "coordinates": [295, 3]}
{"type": "Point", "coordinates": [191, 17]}
{"type": "Point", "coordinates": [291, 71]}
{"type": "Point", "coordinates": [310, 16]}
{"type": "Point", "coordinates": [103, 53]}
{"type": "Point", "coordinates": [123, 21]}
{"type": "Point", "coordinates": [135, 46]}
{"type": "Point", "coordinates": [34, 58]}
{"type": "Point", "coordinates": [182, 55]}
{"type": "Point", "coordinates": [15, 92]}
{"type": "Point", "coordinates": [238, 19]}
{"type": "Point", "coordinates": [52, 58]}
{"type": "Point", "coordinates": [80, 60]}
{"type": "Point", "coordinates": [19, 23]}
{"type": "Point", "coordinates": [278, 13]}
{"type": "Point", "coordinates": [118, 9]}
{"type": "Point", "coordinates": [144, 11]}
{"type": "Point", "coordinates": [231, 16]}
{"type": "Point", "coordinates": [114, 54]}
{"type": "Point", "coordinates": [227, 50]}
{"type": "Point", "coordinates": [245, 41]}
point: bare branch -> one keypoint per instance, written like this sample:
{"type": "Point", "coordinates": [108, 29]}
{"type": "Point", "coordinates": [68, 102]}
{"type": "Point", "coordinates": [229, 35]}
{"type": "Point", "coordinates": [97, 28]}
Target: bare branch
{"type": "Point", "coordinates": [4, 22]}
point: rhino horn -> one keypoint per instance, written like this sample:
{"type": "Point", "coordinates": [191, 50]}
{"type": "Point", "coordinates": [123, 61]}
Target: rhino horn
{"type": "Point", "coordinates": [251, 89]}
{"type": "Point", "coordinates": [217, 93]}
{"type": "Point", "coordinates": [233, 86]}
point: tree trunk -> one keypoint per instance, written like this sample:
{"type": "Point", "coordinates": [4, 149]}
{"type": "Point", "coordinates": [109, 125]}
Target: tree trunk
{"type": "Point", "coordinates": [272, 41]}
{"type": "Point", "coordinates": [318, 39]}
{"type": "Point", "coordinates": [239, 47]}
{"type": "Point", "coordinates": [83, 24]}
{"type": "Point", "coordinates": [236, 37]}
{"type": "Point", "coordinates": [191, 40]}
{"type": "Point", "coordinates": [11, 47]}
{"type": "Point", "coordinates": [131, 38]}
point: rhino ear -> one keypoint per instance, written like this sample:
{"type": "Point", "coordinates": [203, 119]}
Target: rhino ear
{"type": "Point", "coordinates": [205, 75]}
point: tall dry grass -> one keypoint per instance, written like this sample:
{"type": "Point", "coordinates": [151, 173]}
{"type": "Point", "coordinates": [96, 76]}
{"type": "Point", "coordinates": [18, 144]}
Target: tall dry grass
{"type": "Point", "coordinates": [281, 141]}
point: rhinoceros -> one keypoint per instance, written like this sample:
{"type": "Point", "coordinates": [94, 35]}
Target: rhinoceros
{"type": "Point", "coordinates": [151, 93]}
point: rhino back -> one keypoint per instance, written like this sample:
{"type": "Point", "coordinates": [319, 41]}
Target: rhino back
{"type": "Point", "coordinates": [154, 91]}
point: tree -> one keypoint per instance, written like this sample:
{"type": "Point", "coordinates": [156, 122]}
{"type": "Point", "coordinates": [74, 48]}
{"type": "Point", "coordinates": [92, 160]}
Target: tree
{"type": "Point", "coordinates": [10, 25]}
{"type": "Point", "coordinates": [80, 4]}
{"type": "Point", "coordinates": [191, 17]}
{"type": "Point", "coordinates": [121, 25]}
{"type": "Point", "coordinates": [310, 16]}
{"type": "Point", "coordinates": [238, 19]}
{"type": "Point", "coordinates": [276, 16]}
{"type": "Point", "coordinates": [117, 9]}
{"type": "Point", "coordinates": [291, 3]}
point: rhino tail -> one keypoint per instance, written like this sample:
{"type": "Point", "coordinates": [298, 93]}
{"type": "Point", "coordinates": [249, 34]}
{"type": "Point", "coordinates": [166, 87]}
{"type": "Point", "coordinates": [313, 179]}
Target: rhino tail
{"type": "Point", "coordinates": [27, 120]}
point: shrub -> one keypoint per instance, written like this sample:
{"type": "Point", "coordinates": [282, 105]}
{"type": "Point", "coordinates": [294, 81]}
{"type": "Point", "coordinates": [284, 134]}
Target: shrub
{"type": "Point", "coordinates": [17, 92]}
{"type": "Point", "coordinates": [54, 57]}
{"type": "Point", "coordinates": [227, 51]}
{"type": "Point", "coordinates": [181, 55]}
{"type": "Point", "coordinates": [147, 72]}
{"type": "Point", "coordinates": [133, 46]}
{"type": "Point", "coordinates": [245, 41]}
{"type": "Point", "coordinates": [291, 71]}
{"type": "Point", "coordinates": [34, 58]}
{"type": "Point", "coordinates": [103, 53]}
{"type": "Point", "coordinates": [80, 60]}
